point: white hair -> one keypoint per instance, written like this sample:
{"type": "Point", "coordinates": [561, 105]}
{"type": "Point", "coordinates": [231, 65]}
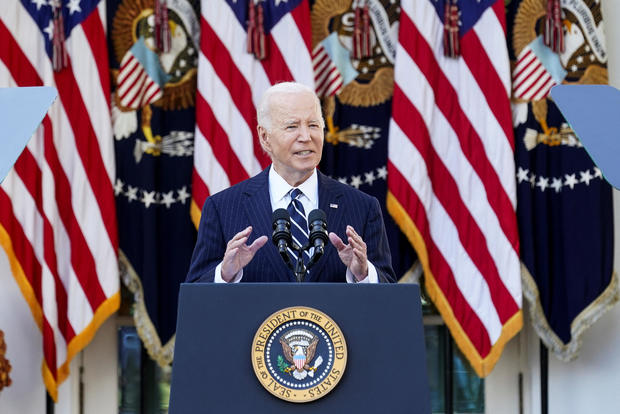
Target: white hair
{"type": "Point", "coordinates": [263, 111]}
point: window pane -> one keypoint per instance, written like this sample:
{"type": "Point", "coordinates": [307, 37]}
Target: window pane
{"type": "Point", "coordinates": [129, 370]}
{"type": "Point", "coordinates": [156, 387]}
{"type": "Point", "coordinates": [144, 387]}
{"type": "Point", "coordinates": [435, 340]}
{"type": "Point", "coordinates": [468, 387]}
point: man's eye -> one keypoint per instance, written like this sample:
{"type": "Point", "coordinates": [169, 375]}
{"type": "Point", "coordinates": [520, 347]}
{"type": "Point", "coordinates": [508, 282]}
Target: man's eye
{"type": "Point", "coordinates": [291, 127]}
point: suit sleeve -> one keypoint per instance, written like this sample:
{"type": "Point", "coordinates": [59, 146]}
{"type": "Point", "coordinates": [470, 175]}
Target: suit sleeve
{"type": "Point", "coordinates": [377, 246]}
{"type": "Point", "coordinates": [210, 246]}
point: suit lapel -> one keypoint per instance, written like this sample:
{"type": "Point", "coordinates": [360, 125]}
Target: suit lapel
{"type": "Point", "coordinates": [329, 202]}
{"type": "Point", "coordinates": [259, 214]}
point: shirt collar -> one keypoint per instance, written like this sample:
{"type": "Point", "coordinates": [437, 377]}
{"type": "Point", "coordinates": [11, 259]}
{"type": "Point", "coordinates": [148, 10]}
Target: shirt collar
{"type": "Point", "coordinates": [279, 188]}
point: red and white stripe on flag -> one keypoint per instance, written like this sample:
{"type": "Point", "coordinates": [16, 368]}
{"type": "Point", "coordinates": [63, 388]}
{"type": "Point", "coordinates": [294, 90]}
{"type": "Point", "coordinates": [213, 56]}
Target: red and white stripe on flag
{"type": "Point", "coordinates": [230, 84]}
{"type": "Point", "coordinates": [136, 89]}
{"type": "Point", "coordinates": [531, 81]}
{"type": "Point", "coordinates": [327, 77]}
{"type": "Point", "coordinates": [451, 175]}
{"type": "Point", "coordinates": [57, 212]}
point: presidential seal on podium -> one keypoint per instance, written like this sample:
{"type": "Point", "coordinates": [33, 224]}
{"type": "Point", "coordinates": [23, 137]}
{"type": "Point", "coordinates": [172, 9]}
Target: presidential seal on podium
{"type": "Point", "coordinates": [299, 354]}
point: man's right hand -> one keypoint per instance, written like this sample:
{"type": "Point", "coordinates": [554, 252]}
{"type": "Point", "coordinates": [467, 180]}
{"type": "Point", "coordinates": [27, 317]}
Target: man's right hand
{"type": "Point", "coordinates": [238, 254]}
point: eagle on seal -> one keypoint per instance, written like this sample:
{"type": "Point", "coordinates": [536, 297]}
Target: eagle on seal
{"type": "Point", "coordinates": [299, 348]}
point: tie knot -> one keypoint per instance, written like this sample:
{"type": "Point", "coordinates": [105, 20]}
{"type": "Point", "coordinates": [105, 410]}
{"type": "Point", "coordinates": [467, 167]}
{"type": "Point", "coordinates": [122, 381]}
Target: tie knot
{"type": "Point", "coordinates": [295, 193]}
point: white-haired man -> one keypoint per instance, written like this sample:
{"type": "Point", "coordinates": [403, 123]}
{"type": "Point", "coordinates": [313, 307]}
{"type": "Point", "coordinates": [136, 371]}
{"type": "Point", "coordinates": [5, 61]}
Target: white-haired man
{"type": "Point", "coordinates": [236, 222]}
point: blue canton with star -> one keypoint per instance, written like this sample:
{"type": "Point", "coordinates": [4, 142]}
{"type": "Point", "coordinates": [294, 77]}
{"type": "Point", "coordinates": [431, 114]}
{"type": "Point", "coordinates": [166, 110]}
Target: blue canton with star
{"type": "Point", "coordinates": [470, 11]}
{"type": "Point", "coordinates": [274, 10]}
{"type": "Point", "coordinates": [73, 12]}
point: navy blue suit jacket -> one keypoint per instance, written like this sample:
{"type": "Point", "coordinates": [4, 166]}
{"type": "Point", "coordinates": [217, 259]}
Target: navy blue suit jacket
{"type": "Point", "coordinates": [248, 203]}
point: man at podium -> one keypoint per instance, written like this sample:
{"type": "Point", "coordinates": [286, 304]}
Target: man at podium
{"type": "Point", "coordinates": [236, 223]}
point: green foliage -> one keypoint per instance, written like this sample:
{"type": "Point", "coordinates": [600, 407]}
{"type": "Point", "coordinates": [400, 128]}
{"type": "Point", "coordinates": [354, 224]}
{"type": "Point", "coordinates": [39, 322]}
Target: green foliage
{"type": "Point", "coordinates": [282, 365]}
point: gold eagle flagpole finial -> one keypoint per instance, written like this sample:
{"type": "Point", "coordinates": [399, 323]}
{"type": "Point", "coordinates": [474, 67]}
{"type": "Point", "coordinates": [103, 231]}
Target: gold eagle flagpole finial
{"type": "Point", "coordinates": [5, 365]}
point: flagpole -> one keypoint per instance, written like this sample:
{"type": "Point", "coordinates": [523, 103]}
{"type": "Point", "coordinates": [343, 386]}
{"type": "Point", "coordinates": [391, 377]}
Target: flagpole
{"type": "Point", "coordinates": [544, 379]}
{"type": "Point", "coordinates": [49, 404]}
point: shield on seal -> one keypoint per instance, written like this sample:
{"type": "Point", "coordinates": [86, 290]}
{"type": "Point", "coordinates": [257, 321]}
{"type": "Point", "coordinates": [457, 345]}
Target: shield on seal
{"type": "Point", "coordinates": [299, 358]}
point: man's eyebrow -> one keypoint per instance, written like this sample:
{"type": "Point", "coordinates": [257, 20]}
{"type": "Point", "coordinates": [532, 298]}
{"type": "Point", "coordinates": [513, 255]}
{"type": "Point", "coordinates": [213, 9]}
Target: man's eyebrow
{"type": "Point", "coordinates": [297, 121]}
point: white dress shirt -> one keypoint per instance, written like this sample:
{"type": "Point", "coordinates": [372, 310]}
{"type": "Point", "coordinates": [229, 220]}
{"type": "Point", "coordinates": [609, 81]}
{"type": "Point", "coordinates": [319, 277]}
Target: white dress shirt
{"type": "Point", "coordinates": [279, 194]}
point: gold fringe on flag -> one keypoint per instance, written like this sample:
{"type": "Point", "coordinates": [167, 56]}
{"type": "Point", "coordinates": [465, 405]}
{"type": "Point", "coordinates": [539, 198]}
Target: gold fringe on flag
{"type": "Point", "coordinates": [146, 330]}
{"type": "Point", "coordinates": [482, 365]}
{"type": "Point", "coordinates": [587, 317]}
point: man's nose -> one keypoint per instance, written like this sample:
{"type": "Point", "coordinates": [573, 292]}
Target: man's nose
{"type": "Point", "coordinates": [304, 133]}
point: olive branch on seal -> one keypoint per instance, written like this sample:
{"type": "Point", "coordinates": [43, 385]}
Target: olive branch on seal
{"type": "Point", "coordinates": [283, 366]}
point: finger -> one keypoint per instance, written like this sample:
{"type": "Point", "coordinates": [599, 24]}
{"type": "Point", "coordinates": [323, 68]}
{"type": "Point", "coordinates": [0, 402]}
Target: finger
{"type": "Point", "coordinates": [360, 255]}
{"type": "Point", "coordinates": [357, 242]}
{"type": "Point", "coordinates": [351, 233]}
{"type": "Point", "coordinates": [233, 244]}
{"type": "Point", "coordinates": [257, 244]}
{"type": "Point", "coordinates": [243, 233]}
{"type": "Point", "coordinates": [336, 241]}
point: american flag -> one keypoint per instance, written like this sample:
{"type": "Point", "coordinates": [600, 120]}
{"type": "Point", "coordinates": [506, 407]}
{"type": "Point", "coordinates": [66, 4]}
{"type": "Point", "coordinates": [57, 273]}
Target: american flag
{"type": "Point", "coordinates": [140, 78]}
{"type": "Point", "coordinates": [538, 69]}
{"type": "Point", "coordinates": [451, 171]}
{"type": "Point", "coordinates": [328, 78]}
{"type": "Point", "coordinates": [57, 215]}
{"type": "Point", "coordinates": [231, 82]}
{"type": "Point", "coordinates": [332, 66]}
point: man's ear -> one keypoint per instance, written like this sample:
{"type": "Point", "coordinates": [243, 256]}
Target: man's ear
{"type": "Point", "coordinates": [263, 138]}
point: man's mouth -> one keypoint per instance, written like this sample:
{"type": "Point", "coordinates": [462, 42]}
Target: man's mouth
{"type": "Point", "coordinates": [303, 153]}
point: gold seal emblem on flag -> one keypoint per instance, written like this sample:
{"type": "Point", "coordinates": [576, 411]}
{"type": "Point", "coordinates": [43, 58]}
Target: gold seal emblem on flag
{"type": "Point", "coordinates": [580, 58]}
{"type": "Point", "coordinates": [354, 47]}
{"type": "Point", "coordinates": [299, 354]}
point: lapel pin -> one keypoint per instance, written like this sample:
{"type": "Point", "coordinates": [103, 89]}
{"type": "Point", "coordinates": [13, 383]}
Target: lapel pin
{"type": "Point", "coordinates": [332, 205]}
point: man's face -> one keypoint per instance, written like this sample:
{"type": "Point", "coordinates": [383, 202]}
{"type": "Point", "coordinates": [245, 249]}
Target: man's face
{"type": "Point", "coordinates": [295, 142]}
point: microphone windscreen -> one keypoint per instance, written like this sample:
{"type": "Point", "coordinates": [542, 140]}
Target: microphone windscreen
{"type": "Point", "coordinates": [317, 214]}
{"type": "Point", "coordinates": [281, 214]}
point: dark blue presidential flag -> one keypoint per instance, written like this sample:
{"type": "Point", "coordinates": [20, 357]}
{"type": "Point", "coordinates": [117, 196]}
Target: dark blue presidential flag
{"type": "Point", "coordinates": [354, 46]}
{"type": "Point", "coordinates": [564, 206]}
{"type": "Point", "coordinates": [153, 57]}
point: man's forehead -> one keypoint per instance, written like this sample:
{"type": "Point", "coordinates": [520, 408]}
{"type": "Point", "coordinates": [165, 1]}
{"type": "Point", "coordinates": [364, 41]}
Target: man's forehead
{"type": "Point", "coordinates": [295, 113]}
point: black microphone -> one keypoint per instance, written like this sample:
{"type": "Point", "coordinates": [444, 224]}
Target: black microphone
{"type": "Point", "coordinates": [318, 238]}
{"type": "Point", "coordinates": [281, 235]}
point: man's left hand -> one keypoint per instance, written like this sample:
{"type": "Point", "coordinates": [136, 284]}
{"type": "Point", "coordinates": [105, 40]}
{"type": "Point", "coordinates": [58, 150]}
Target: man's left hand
{"type": "Point", "coordinates": [353, 255]}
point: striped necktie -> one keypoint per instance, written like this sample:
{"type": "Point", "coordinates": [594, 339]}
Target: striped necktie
{"type": "Point", "coordinates": [299, 225]}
